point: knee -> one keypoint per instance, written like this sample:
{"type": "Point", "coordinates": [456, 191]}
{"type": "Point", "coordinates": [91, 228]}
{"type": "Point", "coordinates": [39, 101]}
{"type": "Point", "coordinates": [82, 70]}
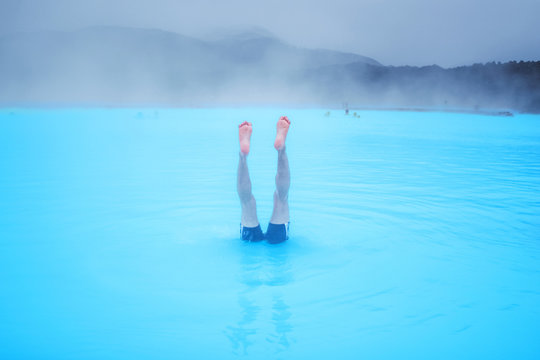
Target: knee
{"type": "Point", "coordinates": [281, 195]}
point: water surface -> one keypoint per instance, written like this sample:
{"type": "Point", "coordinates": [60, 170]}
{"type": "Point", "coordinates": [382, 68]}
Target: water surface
{"type": "Point", "coordinates": [413, 235]}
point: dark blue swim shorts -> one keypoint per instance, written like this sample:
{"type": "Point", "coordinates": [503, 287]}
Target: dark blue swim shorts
{"type": "Point", "coordinates": [275, 234]}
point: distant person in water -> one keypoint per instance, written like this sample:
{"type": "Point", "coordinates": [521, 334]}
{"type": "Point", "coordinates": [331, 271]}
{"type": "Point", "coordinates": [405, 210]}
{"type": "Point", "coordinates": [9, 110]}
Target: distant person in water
{"type": "Point", "coordinates": [278, 228]}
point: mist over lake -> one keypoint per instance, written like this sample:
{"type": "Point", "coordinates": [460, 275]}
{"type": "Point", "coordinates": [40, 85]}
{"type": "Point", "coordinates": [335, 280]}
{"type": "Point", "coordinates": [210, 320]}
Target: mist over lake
{"type": "Point", "coordinates": [128, 66]}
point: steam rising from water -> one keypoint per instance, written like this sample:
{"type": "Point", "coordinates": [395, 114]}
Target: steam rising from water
{"type": "Point", "coordinates": [125, 66]}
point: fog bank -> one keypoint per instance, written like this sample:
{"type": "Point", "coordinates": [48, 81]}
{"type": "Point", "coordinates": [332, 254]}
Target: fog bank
{"type": "Point", "coordinates": [126, 66]}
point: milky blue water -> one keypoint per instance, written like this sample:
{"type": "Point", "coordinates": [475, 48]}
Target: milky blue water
{"type": "Point", "coordinates": [413, 235]}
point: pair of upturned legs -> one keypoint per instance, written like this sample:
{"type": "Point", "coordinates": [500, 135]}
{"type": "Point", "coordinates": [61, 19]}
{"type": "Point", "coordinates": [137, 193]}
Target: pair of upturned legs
{"type": "Point", "coordinates": [280, 213]}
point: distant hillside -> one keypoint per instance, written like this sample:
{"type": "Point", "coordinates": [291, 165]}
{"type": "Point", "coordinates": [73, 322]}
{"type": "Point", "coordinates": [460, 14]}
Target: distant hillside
{"type": "Point", "coordinates": [126, 66]}
{"type": "Point", "coordinates": [512, 85]}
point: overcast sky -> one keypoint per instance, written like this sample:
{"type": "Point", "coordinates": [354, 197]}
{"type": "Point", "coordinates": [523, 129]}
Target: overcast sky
{"type": "Point", "coordinates": [394, 32]}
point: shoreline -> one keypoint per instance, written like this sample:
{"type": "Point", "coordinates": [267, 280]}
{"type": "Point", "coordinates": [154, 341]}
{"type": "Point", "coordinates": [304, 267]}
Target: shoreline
{"type": "Point", "coordinates": [331, 107]}
{"type": "Point", "coordinates": [490, 112]}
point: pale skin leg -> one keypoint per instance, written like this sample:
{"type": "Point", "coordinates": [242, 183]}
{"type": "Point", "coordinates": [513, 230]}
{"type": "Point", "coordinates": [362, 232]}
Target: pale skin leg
{"type": "Point", "coordinates": [243, 184]}
{"type": "Point", "coordinates": [280, 214]}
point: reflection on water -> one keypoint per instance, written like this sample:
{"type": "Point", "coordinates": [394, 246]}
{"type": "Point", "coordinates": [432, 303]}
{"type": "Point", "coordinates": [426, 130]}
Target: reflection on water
{"type": "Point", "coordinates": [242, 333]}
{"type": "Point", "coordinates": [280, 315]}
{"type": "Point", "coordinates": [264, 271]}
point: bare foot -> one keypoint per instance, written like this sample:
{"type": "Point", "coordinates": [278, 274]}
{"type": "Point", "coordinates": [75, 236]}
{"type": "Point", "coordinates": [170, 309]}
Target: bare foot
{"type": "Point", "coordinates": [244, 134]}
{"type": "Point", "coordinates": [282, 129]}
